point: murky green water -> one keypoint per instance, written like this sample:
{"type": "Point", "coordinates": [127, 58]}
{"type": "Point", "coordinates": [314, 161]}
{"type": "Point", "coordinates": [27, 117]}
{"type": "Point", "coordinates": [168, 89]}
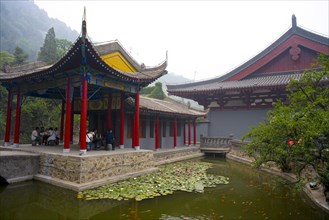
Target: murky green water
{"type": "Point", "coordinates": [251, 194]}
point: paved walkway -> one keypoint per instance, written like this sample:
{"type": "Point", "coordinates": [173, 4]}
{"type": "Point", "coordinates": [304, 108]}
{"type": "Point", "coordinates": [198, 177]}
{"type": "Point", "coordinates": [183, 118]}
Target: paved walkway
{"type": "Point", "coordinates": [75, 150]}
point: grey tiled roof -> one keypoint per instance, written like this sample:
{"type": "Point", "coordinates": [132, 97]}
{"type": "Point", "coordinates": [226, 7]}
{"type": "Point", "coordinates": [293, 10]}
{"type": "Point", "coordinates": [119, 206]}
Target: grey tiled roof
{"type": "Point", "coordinates": [165, 106]}
{"type": "Point", "coordinates": [273, 80]}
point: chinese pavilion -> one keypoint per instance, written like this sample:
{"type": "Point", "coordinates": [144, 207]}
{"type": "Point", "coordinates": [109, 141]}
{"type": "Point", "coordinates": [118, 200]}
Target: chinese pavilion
{"type": "Point", "coordinates": [90, 79]}
{"type": "Point", "coordinates": [241, 98]}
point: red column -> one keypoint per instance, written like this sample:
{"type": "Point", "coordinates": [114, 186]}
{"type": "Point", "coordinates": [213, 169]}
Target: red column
{"type": "Point", "coordinates": [61, 129]}
{"type": "Point", "coordinates": [189, 132]}
{"type": "Point", "coordinates": [68, 115]}
{"type": "Point", "coordinates": [175, 132]}
{"type": "Point", "coordinates": [83, 117]}
{"type": "Point", "coordinates": [157, 132]}
{"type": "Point", "coordinates": [109, 111]}
{"type": "Point", "coordinates": [137, 147]}
{"type": "Point", "coordinates": [194, 132]}
{"type": "Point", "coordinates": [72, 120]}
{"type": "Point", "coordinates": [122, 121]}
{"type": "Point", "coordinates": [8, 121]}
{"type": "Point", "coordinates": [18, 119]}
{"type": "Point", "coordinates": [184, 135]}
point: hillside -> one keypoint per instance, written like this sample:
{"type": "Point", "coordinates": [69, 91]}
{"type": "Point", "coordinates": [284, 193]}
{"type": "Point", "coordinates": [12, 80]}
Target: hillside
{"type": "Point", "coordinates": [24, 24]}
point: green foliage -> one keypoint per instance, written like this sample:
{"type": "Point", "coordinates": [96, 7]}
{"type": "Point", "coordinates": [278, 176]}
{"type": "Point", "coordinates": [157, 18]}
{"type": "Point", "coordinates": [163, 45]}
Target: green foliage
{"type": "Point", "coordinates": [147, 90]}
{"type": "Point", "coordinates": [184, 176]}
{"type": "Point", "coordinates": [20, 56]}
{"type": "Point", "coordinates": [53, 49]}
{"type": "Point", "coordinates": [305, 121]}
{"type": "Point", "coordinates": [6, 58]}
{"type": "Point", "coordinates": [3, 110]}
{"type": "Point", "coordinates": [324, 177]}
{"type": "Point", "coordinates": [157, 92]}
{"type": "Point", "coordinates": [62, 46]}
{"type": "Point", "coordinates": [48, 52]}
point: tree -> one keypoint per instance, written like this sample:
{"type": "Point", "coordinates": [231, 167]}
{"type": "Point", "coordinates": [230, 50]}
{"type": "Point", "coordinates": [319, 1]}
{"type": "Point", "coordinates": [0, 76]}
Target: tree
{"type": "Point", "coordinates": [62, 46]}
{"type": "Point", "coordinates": [157, 92]}
{"type": "Point", "coordinates": [296, 135]}
{"type": "Point", "coordinates": [6, 58]}
{"type": "Point", "coordinates": [3, 110]}
{"type": "Point", "coordinates": [20, 56]}
{"type": "Point", "coordinates": [48, 52]}
{"type": "Point", "coordinates": [147, 90]}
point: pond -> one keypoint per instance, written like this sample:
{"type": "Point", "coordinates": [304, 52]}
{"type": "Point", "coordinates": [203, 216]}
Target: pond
{"type": "Point", "coordinates": [251, 194]}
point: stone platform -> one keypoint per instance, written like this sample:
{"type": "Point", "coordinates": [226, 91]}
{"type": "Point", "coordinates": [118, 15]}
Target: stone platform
{"type": "Point", "coordinates": [96, 168]}
{"type": "Point", "coordinates": [17, 166]}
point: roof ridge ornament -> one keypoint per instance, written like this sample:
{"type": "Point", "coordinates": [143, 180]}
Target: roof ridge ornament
{"type": "Point", "coordinates": [294, 21]}
{"type": "Point", "coordinates": [83, 38]}
{"type": "Point", "coordinates": [84, 23]}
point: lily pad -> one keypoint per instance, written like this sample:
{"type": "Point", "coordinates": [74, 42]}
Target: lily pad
{"type": "Point", "coordinates": [184, 176]}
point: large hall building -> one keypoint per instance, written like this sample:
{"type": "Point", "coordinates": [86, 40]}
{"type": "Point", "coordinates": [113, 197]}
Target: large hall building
{"type": "Point", "coordinates": [241, 98]}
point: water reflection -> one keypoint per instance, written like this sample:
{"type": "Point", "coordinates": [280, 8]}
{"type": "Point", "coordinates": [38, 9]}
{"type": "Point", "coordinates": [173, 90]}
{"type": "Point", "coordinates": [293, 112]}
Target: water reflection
{"type": "Point", "coordinates": [251, 194]}
{"type": "Point", "coordinates": [37, 200]}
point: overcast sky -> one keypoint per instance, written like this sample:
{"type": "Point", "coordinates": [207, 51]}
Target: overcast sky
{"type": "Point", "coordinates": [204, 39]}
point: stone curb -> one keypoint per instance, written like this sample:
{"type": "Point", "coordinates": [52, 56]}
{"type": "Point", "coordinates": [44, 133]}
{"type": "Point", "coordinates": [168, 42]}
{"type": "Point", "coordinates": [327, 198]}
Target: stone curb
{"type": "Point", "coordinates": [79, 187]}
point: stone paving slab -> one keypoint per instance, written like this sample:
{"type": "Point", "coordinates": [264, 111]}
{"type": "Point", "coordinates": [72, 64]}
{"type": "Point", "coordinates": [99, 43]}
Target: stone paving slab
{"type": "Point", "coordinates": [16, 153]}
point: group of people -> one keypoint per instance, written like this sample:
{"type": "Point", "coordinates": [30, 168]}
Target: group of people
{"type": "Point", "coordinates": [94, 140]}
{"type": "Point", "coordinates": [43, 137]}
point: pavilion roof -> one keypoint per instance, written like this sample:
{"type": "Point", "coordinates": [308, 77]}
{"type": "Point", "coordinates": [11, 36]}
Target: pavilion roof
{"type": "Point", "coordinates": [235, 78]}
{"type": "Point", "coordinates": [73, 60]}
{"type": "Point", "coordinates": [166, 106]}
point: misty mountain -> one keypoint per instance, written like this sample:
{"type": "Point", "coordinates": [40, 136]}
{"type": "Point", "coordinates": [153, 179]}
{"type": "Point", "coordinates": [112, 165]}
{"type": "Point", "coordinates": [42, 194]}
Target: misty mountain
{"type": "Point", "coordinates": [173, 79]}
{"type": "Point", "coordinates": [24, 24]}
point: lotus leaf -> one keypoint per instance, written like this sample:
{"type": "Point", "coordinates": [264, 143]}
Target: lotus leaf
{"type": "Point", "coordinates": [184, 176]}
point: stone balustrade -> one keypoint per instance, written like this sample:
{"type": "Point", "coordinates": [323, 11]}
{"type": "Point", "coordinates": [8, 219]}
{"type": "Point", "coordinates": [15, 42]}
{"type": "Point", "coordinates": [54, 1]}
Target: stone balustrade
{"type": "Point", "coordinates": [215, 142]}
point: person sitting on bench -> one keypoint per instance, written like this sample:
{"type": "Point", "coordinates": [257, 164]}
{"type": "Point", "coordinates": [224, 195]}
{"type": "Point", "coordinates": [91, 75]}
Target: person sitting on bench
{"type": "Point", "coordinates": [35, 138]}
{"type": "Point", "coordinates": [57, 136]}
{"type": "Point", "coordinates": [52, 137]}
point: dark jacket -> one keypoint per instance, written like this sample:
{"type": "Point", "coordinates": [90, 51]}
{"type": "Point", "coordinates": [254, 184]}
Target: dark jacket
{"type": "Point", "coordinates": [109, 137]}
